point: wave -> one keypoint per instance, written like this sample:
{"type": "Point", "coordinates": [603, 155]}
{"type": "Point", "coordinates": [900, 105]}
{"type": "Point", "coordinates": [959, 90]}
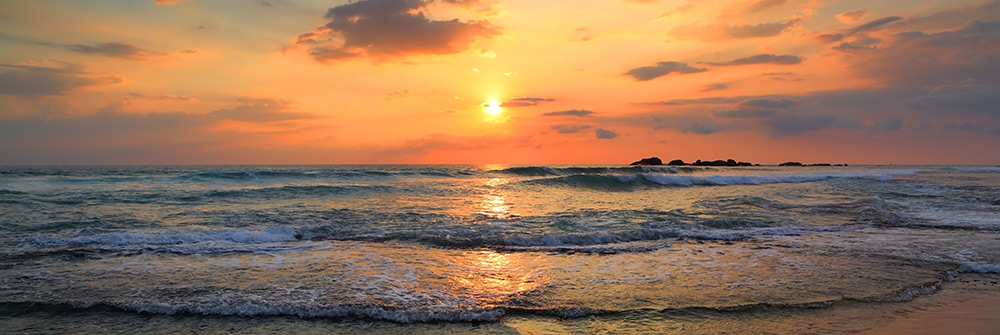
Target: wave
{"type": "Point", "coordinates": [286, 238]}
{"type": "Point", "coordinates": [612, 182]}
{"type": "Point", "coordinates": [542, 171]}
{"type": "Point", "coordinates": [292, 191]}
{"type": "Point", "coordinates": [970, 169]}
{"type": "Point", "coordinates": [330, 175]}
{"type": "Point", "coordinates": [123, 239]}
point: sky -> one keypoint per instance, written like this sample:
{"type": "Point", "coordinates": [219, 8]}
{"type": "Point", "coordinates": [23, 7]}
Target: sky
{"type": "Point", "coordinates": [494, 81]}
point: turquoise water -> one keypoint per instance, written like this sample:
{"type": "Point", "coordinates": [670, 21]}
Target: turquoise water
{"type": "Point", "coordinates": [485, 249]}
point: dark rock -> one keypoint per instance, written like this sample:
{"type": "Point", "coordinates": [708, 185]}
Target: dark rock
{"type": "Point", "coordinates": [744, 164]}
{"type": "Point", "coordinates": [730, 162]}
{"type": "Point", "coordinates": [820, 164]}
{"type": "Point", "coordinates": [677, 162]}
{"type": "Point", "coordinates": [790, 164]}
{"type": "Point", "coordinates": [648, 161]}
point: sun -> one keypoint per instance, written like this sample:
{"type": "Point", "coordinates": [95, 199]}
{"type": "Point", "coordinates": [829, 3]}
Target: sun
{"type": "Point", "coordinates": [493, 108]}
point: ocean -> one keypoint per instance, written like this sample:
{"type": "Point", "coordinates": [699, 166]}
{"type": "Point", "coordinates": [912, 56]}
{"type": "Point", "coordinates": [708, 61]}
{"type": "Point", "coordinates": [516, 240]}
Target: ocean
{"type": "Point", "coordinates": [490, 248]}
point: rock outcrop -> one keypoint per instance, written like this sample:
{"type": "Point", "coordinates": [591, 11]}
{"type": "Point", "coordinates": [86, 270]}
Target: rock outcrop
{"type": "Point", "coordinates": [791, 164]}
{"type": "Point", "coordinates": [648, 161]}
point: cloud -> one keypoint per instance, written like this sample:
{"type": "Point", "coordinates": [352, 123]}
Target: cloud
{"type": "Point", "coordinates": [760, 59]}
{"type": "Point", "coordinates": [917, 59]}
{"type": "Point", "coordinates": [966, 126]}
{"type": "Point", "coordinates": [260, 110]}
{"type": "Point", "coordinates": [795, 124]}
{"type": "Point", "coordinates": [390, 28]}
{"type": "Point", "coordinates": [661, 69]}
{"type": "Point", "coordinates": [766, 103]}
{"type": "Point", "coordinates": [852, 16]}
{"type": "Point", "coordinates": [173, 97]}
{"type": "Point", "coordinates": [571, 112]}
{"type": "Point", "coordinates": [995, 131]}
{"type": "Point", "coordinates": [763, 4]}
{"type": "Point", "coordinates": [745, 113]}
{"type": "Point", "coordinates": [605, 134]}
{"type": "Point", "coordinates": [723, 31]}
{"type": "Point", "coordinates": [32, 80]}
{"type": "Point", "coordinates": [169, 2]}
{"type": "Point", "coordinates": [702, 128]}
{"type": "Point", "coordinates": [874, 25]}
{"type": "Point", "coordinates": [715, 87]}
{"type": "Point", "coordinates": [862, 41]}
{"type": "Point", "coordinates": [569, 128]}
{"type": "Point", "coordinates": [954, 98]}
{"type": "Point", "coordinates": [114, 49]}
{"type": "Point", "coordinates": [525, 102]}
{"type": "Point", "coordinates": [890, 124]}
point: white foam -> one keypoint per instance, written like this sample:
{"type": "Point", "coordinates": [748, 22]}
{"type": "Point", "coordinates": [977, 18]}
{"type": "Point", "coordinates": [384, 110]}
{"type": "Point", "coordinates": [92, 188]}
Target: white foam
{"type": "Point", "coordinates": [258, 307]}
{"type": "Point", "coordinates": [240, 236]}
{"type": "Point", "coordinates": [980, 268]}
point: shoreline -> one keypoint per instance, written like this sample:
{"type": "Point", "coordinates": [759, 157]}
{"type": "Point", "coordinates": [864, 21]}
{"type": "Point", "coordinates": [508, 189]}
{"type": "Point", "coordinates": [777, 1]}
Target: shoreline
{"type": "Point", "coordinates": [971, 308]}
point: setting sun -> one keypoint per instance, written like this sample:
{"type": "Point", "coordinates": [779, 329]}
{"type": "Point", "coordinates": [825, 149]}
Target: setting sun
{"type": "Point", "coordinates": [493, 108]}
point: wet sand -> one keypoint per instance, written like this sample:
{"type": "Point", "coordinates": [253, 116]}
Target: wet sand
{"type": "Point", "coordinates": [977, 314]}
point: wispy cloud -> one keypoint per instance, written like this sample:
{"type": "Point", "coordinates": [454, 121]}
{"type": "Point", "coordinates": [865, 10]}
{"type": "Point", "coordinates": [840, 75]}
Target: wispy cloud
{"type": "Point", "coordinates": [661, 69]}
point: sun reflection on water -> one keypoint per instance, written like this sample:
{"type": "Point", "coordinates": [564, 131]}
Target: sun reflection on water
{"type": "Point", "coordinates": [494, 204]}
{"type": "Point", "coordinates": [495, 277]}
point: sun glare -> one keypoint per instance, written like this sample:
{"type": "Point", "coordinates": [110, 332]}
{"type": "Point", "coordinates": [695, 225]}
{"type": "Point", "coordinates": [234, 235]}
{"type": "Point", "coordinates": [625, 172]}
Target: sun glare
{"type": "Point", "coordinates": [493, 108]}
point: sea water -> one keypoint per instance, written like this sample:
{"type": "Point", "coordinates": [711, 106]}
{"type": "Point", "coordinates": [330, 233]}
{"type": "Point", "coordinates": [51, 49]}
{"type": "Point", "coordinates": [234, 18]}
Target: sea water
{"type": "Point", "coordinates": [486, 249]}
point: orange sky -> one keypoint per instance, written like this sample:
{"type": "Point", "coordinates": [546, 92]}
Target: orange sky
{"type": "Point", "coordinates": [406, 81]}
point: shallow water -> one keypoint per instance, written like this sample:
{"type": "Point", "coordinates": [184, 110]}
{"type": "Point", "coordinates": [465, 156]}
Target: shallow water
{"type": "Point", "coordinates": [491, 249]}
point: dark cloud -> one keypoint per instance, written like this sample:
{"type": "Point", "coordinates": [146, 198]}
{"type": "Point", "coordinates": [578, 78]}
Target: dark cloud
{"type": "Point", "coordinates": [760, 59]}
{"type": "Point", "coordinates": [525, 102]}
{"type": "Point", "coordinates": [710, 32]}
{"type": "Point", "coordinates": [985, 11]}
{"type": "Point", "coordinates": [956, 98]}
{"type": "Point", "coordinates": [661, 69]}
{"type": "Point", "coordinates": [31, 80]}
{"type": "Point", "coordinates": [763, 4]}
{"type": "Point", "coordinates": [692, 122]}
{"type": "Point", "coordinates": [390, 28]}
{"type": "Point", "coordinates": [856, 38]}
{"type": "Point", "coordinates": [702, 128]}
{"type": "Point", "coordinates": [744, 113]}
{"type": "Point", "coordinates": [966, 126]}
{"type": "Point", "coordinates": [830, 38]}
{"type": "Point", "coordinates": [605, 134]}
{"type": "Point", "coordinates": [260, 110]}
{"type": "Point", "coordinates": [874, 25]}
{"type": "Point", "coordinates": [569, 128]}
{"type": "Point", "coordinates": [571, 112]}
{"type": "Point", "coordinates": [890, 124]}
{"type": "Point", "coordinates": [795, 124]}
{"type": "Point", "coordinates": [113, 49]}
{"type": "Point", "coordinates": [917, 59]}
{"type": "Point", "coordinates": [995, 131]}
{"type": "Point", "coordinates": [767, 103]}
